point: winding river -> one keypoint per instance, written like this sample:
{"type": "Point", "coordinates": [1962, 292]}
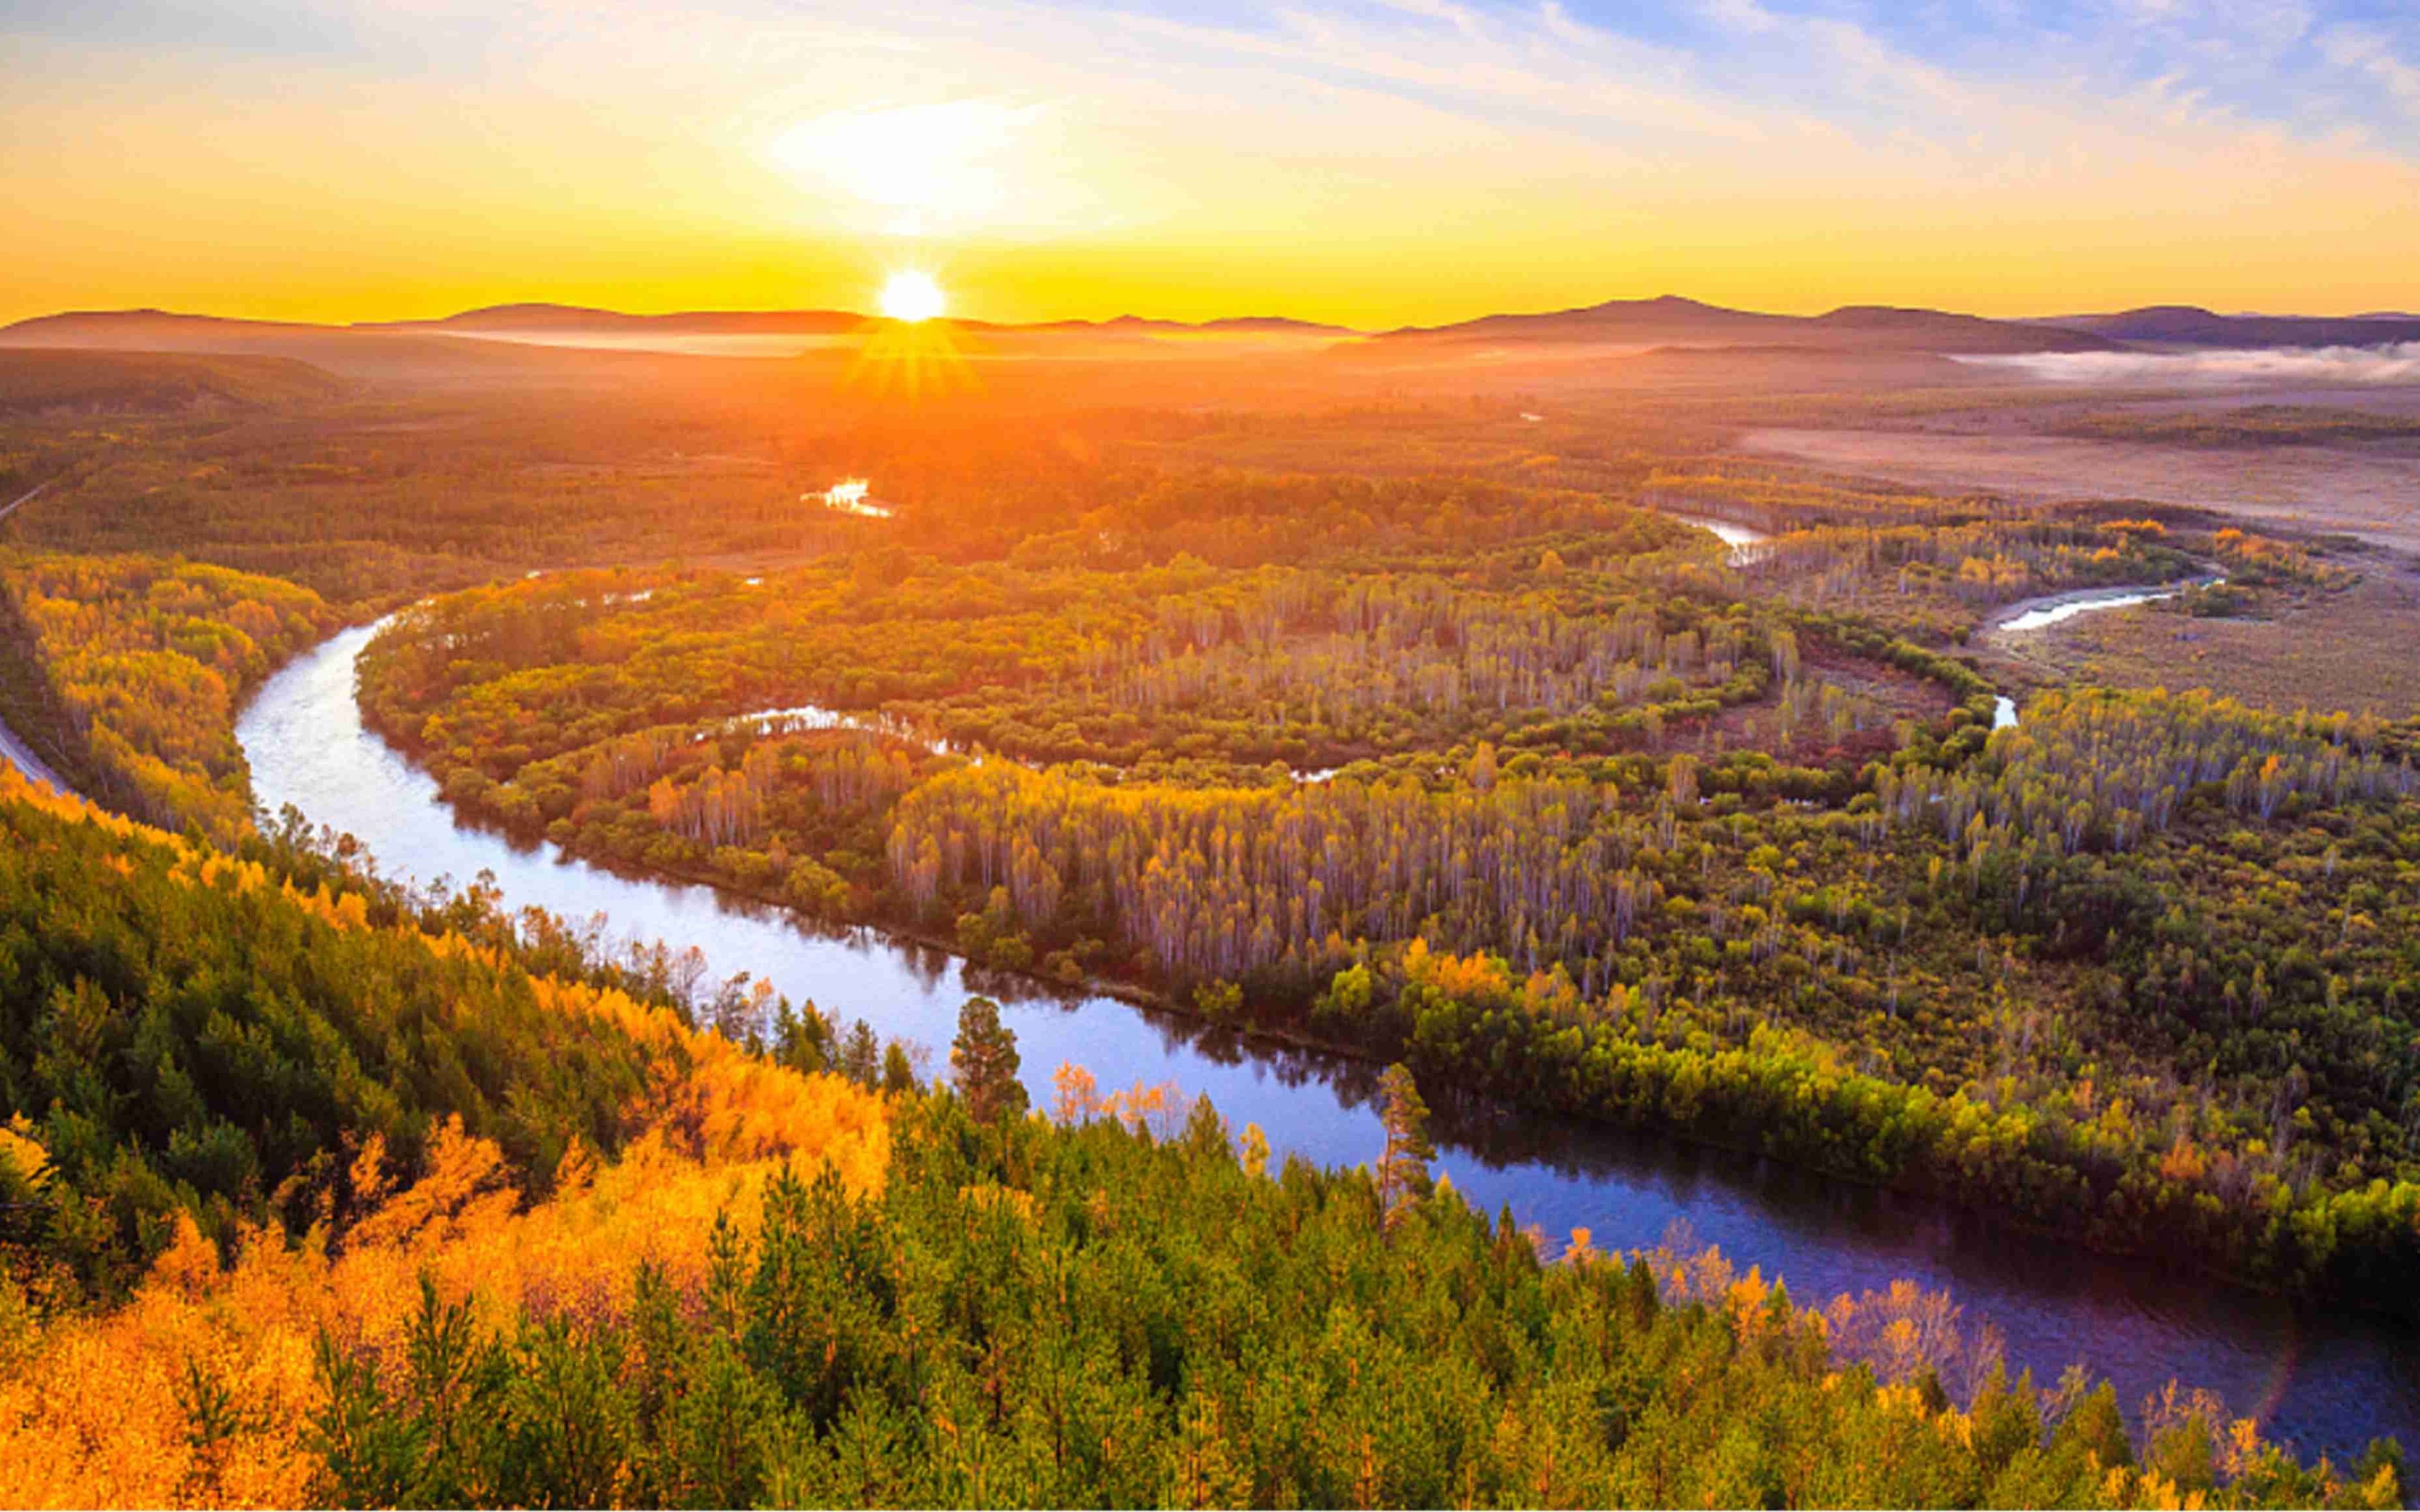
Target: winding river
{"type": "Point", "coordinates": [1744, 540]}
{"type": "Point", "coordinates": [2031, 614]}
{"type": "Point", "coordinates": [2058, 609]}
{"type": "Point", "coordinates": [2321, 1382]}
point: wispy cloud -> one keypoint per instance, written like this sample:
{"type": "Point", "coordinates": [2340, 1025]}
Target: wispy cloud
{"type": "Point", "coordinates": [2364, 50]}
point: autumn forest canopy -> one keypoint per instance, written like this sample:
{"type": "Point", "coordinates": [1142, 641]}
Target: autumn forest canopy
{"type": "Point", "coordinates": [1525, 738]}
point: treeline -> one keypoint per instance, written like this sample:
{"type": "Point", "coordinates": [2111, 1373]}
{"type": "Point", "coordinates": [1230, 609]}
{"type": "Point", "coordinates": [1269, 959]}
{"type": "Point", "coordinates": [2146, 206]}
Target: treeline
{"type": "Point", "coordinates": [1973, 566]}
{"type": "Point", "coordinates": [1239, 518]}
{"type": "Point", "coordinates": [2260, 424]}
{"type": "Point", "coordinates": [1302, 638]}
{"type": "Point", "coordinates": [2068, 1157]}
{"type": "Point", "coordinates": [2107, 768]}
{"type": "Point", "coordinates": [1931, 568]}
{"type": "Point", "coordinates": [148, 661]}
{"type": "Point", "coordinates": [59, 384]}
{"type": "Point", "coordinates": [402, 490]}
{"type": "Point", "coordinates": [1273, 884]}
{"type": "Point", "coordinates": [1777, 499]}
{"type": "Point", "coordinates": [1321, 668]}
{"type": "Point", "coordinates": [2259, 561]}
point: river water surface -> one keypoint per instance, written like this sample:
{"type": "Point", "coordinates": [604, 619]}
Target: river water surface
{"type": "Point", "coordinates": [1744, 540]}
{"type": "Point", "coordinates": [2058, 609]}
{"type": "Point", "coordinates": [2321, 1382]}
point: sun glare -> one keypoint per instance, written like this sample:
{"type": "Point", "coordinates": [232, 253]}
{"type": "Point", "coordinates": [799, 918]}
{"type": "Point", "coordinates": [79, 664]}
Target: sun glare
{"type": "Point", "coordinates": [911, 295]}
{"type": "Point", "coordinates": [910, 352]}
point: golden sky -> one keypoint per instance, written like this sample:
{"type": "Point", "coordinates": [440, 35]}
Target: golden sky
{"type": "Point", "coordinates": [1376, 162]}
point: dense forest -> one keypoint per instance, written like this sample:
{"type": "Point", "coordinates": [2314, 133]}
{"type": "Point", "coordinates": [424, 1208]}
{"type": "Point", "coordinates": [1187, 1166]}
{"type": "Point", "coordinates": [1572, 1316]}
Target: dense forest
{"type": "Point", "coordinates": [146, 661]}
{"type": "Point", "coordinates": [1156, 663]}
{"type": "Point", "coordinates": [194, 1034]}
{"type": "Point", "coordinates": [1604, 829]}
{"type": "Point", "coordinates": [410, 1202]}
{"type": "Point", "coordinates": [1554, 799]}
{"type": "Point", "coordinates": [516, 459]}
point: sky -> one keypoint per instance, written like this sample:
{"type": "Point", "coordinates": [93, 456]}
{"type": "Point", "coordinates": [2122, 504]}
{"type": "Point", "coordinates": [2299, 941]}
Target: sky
{"type": "Point", "coordinates": [1376, 162]}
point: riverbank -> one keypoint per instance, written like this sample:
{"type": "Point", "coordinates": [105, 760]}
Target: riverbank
{"type": "Point", "coordinates": [28, 702]}
{"type": "Point", "coordinates": [1759, 1140]}
{"type": "Point", "coordinates": [15, 753]}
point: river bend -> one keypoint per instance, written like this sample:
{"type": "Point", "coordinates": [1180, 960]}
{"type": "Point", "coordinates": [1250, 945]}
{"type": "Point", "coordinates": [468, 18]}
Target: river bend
{"type": "Point", "coordinates": [2321, 1382]}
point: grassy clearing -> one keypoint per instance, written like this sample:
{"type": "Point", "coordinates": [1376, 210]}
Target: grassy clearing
{"type": "Point", "coordinates": [2320, 652]}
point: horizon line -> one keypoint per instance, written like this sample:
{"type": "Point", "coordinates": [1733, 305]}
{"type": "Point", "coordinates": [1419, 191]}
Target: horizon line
{"type": "Point", "coordinates": [1132, 317]}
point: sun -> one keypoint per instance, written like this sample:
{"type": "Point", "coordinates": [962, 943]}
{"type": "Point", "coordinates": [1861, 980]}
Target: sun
{"type": "Point", "coordinates": [910, 351]}
{"type": "Point", "coordinates": [912, 296]}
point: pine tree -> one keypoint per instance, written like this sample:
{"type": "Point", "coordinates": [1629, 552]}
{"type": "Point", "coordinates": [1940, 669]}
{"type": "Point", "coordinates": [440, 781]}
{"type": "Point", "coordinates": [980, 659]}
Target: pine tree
{"type": "Point", "coordinates": [861, 1055]}
{"type": "Point", "coordinates": [1403, 1169]}
{"type": "Point", "coordinates": [984, 1059]}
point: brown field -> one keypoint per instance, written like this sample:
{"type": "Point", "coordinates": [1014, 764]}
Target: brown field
{"type": "Point", "coordinates": [2352, 650]}
{"type": "Point", "coordinates": [2369, 494]}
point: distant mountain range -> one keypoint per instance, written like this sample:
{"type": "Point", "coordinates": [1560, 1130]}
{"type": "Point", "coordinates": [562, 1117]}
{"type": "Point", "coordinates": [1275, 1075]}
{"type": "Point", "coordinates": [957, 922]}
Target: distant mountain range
{"type": "Point", "coordinates": [1674, 321]}
{"type": "Point", "coordinates": [2185, 325]}
{"type": "Point", "coordinates": [536, 318]}
{"type": "Point", "coordinates": [105, 328]}
{"type": "Point", "coordinates": [542, 318]}
{"type": "Point", "coordinates": [351, 351]}
{"type": "Point", "coordinates": [64, 381]}
{"type": "Point", "coordinates": [556, 344]}
{"type": "Point", "coordinates": [1633, 325]}
{"type": "Point", "coordinates": [1143, 325]}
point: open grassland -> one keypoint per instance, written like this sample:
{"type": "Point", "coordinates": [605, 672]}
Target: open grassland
{"type": "Point", "coordinates": [2374, 496]}
{"type": "Point", "coordinates": [2357, 650]}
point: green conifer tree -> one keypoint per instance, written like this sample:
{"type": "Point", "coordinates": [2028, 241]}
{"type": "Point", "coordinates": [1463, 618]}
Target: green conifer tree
{"type": "Point", "coordinates": [1403, 1169]}
{"type": "Point", "coordinates": [984, 1060]}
